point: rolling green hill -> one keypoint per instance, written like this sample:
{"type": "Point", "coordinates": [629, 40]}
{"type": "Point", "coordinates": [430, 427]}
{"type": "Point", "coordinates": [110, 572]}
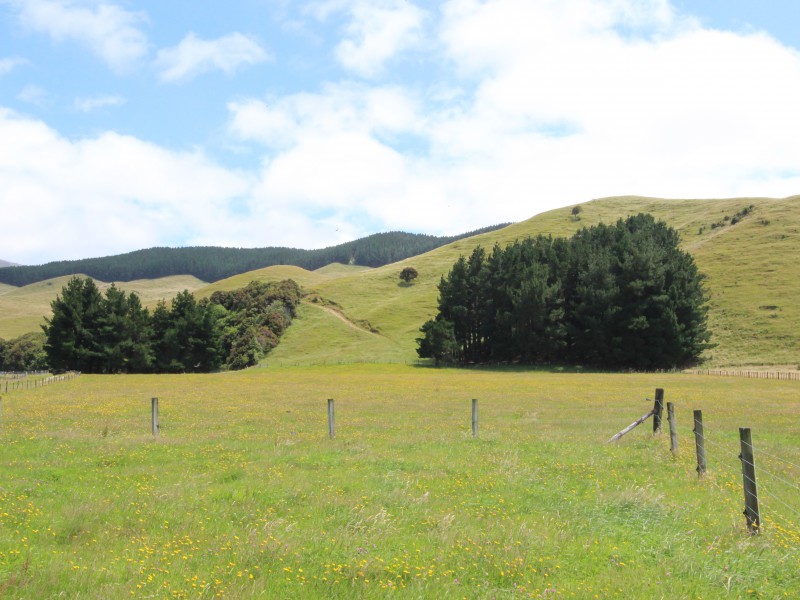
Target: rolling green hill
{"type": "Point", "coordinates": [23, 309]}
{"type": "Point", "coordinates": [751, 267]}
{"type": "Point", "coordinates": [747, 247]}
{"type": "Point", "coordinates": [212, 263]}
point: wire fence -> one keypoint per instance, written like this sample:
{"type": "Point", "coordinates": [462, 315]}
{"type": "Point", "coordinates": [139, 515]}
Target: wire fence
{"type": "Point", "coordinates": [774, 482]}
{"type": "Point", "coordinates": [32, 379]}
{"type": "Point", "coordinates": [750, 374]}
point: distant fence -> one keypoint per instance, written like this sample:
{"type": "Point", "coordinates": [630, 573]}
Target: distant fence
{"type": "Point", "coordinates": [23, 381]}
{"type": "Point", "coordinates": [778, 375]}
{"type": "Point", "coordinates": [21, 374]}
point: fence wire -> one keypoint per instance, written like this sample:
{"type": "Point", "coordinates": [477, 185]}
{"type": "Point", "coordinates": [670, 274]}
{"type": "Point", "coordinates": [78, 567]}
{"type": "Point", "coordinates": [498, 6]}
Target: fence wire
{"type": "Point", "coordinates": [772, 501]}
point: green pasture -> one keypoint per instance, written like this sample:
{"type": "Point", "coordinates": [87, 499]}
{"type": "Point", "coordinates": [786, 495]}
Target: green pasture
{"type": "Point", "coordinates": [243, 494]}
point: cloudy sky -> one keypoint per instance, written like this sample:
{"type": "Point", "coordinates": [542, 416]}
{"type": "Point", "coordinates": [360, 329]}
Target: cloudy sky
{"type": "Point", "coordinates": [127, 124]}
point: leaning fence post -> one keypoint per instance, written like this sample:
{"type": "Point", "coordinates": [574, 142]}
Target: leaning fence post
{"type": "Point", "coordinates": [154, 406]}
{"type": "Point", "coordinates": [700, 443]}
{"type": "Point", "coordinates": [474, 418]}
{"type": "Point", "coordinates": [673, 430]}
{"type": "Point", "coordinates": [331, 429]}
{"type": "Point", "coordinates": [751, 512]}
{"type": "Point", "coordinates": [658, 410]}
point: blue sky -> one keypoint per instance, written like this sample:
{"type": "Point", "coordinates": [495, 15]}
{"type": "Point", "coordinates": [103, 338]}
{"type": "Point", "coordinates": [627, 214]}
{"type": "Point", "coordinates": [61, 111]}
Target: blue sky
{"type": "Point", "coordinates": [127, 124]}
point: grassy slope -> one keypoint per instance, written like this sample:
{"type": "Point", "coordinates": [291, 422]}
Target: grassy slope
{"type": "Point", "coordinates": [23, 309]}
{"type": "Point", "coordinates": [749, 266]}
{"type": "Point", "coordinates": [303, 277]}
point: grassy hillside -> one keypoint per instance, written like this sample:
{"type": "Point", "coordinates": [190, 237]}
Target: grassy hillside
{"type": "Point", "coordinates": [751, 268]}
{"type": "Point", "coordinates": [303, 277]}
{"type": "Point", "coordinates": [23, 309]}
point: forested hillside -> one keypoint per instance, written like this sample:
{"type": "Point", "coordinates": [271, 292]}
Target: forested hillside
{"type": "Point", "coordinates": [214, 263]}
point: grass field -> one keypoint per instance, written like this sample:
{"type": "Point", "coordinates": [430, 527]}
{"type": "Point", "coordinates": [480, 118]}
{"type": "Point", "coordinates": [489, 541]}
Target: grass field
{"type": "Point", "coordinates": [244, 495]}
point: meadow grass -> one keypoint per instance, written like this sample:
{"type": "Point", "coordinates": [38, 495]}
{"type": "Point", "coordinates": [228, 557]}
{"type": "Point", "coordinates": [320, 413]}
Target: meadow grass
{"type": "Point", "coordinates": [244, 495]}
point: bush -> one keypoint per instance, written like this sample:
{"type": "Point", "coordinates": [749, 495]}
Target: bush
{"type": "Point", "coordinates": [408, 274]}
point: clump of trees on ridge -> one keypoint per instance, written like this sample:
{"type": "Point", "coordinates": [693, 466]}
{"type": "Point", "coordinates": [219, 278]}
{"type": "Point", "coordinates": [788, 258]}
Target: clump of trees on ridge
{"type": "Point", "coordinates": [93, 332]}
{"type": "Point", "coordinates": [612, 296]}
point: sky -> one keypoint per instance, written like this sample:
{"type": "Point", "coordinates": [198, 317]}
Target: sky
{"type": "Point", "coordinates": [129, 124]}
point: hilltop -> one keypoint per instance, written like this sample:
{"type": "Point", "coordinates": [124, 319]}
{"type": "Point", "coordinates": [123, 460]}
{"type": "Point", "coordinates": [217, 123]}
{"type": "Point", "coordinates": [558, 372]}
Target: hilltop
{"type": "Point", "coordinates": [212, 263]}
{"type": "Point", "coordinates": [746, 247]}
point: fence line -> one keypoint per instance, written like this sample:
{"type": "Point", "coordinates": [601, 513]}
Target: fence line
{"type": "Point", "coordinates": [750, 374]}
{"type": "Point", "coordinates": [775, 487]}
{"type": "Point", "coordinates": [25, 383]}
{"type": "Point", "coordinates": [764, 488]}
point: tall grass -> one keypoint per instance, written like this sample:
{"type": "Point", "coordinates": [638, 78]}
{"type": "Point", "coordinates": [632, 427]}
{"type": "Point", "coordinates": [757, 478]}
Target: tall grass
{"type": "Point", "coordinates": [244, 495]}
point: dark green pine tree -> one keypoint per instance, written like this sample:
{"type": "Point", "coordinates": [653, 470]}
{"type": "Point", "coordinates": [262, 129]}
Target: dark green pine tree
{"type": "Point", "coordinates": [72, 340]}
{"type": "Point", "coordinates": [613, 296]}
{"type": "Point", "coordinates": [461, 303]}
{"type": "Point", "coordinates": [187, 336]}
{"type": "Point", "coordinates": [125, 333]}
{"type": "Point", "coordinates": [438, 341]}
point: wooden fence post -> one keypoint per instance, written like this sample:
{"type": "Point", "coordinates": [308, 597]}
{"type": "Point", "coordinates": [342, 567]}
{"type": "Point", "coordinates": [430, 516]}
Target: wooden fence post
{"type": "Point", "coordinates": [751, 511]}
{"type": "Point", "coordinates": [673, 432]}
{"type": "Point", "coordinates": [474, 418]}
{"type": "Point", "coordinates": [331, 428]}
{"type": "Point", "coordinates": [700, 443]}
{"type": "Point", "coordinates": [658, 410]}
{"type": "Point", "coordinates": [154, 407]}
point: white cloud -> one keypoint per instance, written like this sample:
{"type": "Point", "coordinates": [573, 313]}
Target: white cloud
{"type": "Point", "coordinates": [194, 56]}
{"type": "Point", "coordinates": [554, 103]}
{"type": "Point", "coordinates": [108, 30]}
{"type": "Point", "coordinates": [572, 101]}
{"type": "Point", "coordinates": [540, 104]}
{"type": "Point", "coordinates": [96, 102]}
{"type": "Point", "coordinates": [109, 194]}
{"type": "Point", "coordinates": [33, 94]}
{"type": "Point", "coordinates": [337, 109]}
{"type": "Point", "coordinates": [376, 32]}
{"type": "Point", "coordinates": [9, 64]}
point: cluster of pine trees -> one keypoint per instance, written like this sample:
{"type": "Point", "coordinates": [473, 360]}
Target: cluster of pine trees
{"type": "Point", "coordinates": [210, 263]}
{"type": "Point", "coordinates": [612, 296]}
{"type": "Point", "coordinates": [93, 332]}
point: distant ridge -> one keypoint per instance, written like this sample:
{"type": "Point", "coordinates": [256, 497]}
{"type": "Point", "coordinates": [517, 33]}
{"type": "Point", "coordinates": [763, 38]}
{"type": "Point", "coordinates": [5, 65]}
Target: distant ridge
{"type": "Point", "coordinates": [211, 263]}
{"type": "Point", "coordinates": [5, 263]}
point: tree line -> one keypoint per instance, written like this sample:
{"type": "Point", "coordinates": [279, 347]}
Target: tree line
{"type": "Point", "coordinates": [612, 296]}
{"type": "Point", "coordinates": [93, 332]}
{"type": "Point", "coordinates": [214, 263]}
